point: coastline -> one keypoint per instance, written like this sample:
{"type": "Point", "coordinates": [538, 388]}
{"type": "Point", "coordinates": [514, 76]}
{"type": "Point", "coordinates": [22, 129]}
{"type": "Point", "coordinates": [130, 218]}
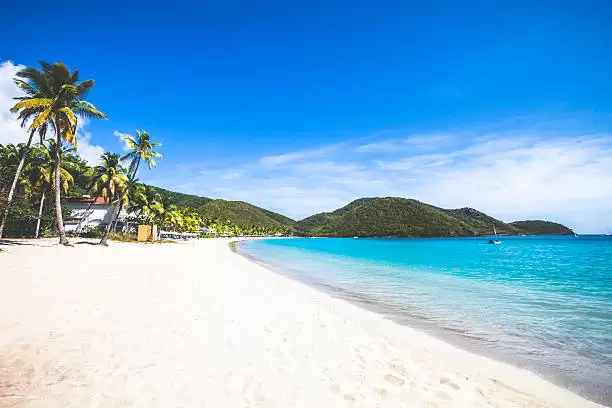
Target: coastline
{"type": "Point", "coordinates": [521, 349]}
{"type": "Point", "coordinates": [197, 324]}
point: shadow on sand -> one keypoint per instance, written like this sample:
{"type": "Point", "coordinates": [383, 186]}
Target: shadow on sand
{"type": "Point", "coordinates": [7, 242]}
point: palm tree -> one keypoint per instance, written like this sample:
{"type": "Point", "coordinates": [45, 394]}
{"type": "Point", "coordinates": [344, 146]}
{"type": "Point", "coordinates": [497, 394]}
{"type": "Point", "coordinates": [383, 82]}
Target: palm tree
{"type": "Point", "coordinates": [42, 168]}
{"type": "Point", "coordinates": [137, 203]}
{"type": "Point", "coordinates": [141, 149]}
{"type": "Point", "coordinates": [55, 98]}
{"type": "Point", "coordinates": [34, 86]}
{"type": "Point", "coordinates": [110, 181]}
{"type": "Point", "coordinates": [10, 157]}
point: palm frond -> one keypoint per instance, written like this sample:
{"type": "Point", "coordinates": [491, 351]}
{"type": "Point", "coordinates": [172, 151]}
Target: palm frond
{"type": "Point", "coordinates": [70, 137]}
{"type": "Point", "coordinates": [40, 119]}
{"type": "Point", "coordinates": [85, 86]}
{"type": "Point", "coordinates": [25, 87]}
{"type": "Point", "coordinates": [38, 79]}
{"type": "Point", "coordinates": [32, 104]}
{"type": "Point", "coordinates": [151, 163]}
{"type": "Point", "coordinates": [45, 65]}
{"type": "Point", "coordinates": [69, 115]}
{"type": "Point", "coordinates": [88, 112]}
{"type": "Point", "coordinates": [128, 155]}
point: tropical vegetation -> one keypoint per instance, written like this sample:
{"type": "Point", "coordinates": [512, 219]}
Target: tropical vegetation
{"type": "Point", "coordinates": [115, 183]}
{"type": "Point", "coordinates": [53, 99]}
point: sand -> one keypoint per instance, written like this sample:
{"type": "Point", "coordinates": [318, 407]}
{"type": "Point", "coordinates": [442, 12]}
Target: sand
{"type": "Point", "coordinates": [196, 325]}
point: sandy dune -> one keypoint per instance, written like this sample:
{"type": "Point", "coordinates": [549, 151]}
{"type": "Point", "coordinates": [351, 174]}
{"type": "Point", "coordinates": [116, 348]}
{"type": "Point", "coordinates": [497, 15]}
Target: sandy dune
{"type": "Point", "coordinates": [195, 325]}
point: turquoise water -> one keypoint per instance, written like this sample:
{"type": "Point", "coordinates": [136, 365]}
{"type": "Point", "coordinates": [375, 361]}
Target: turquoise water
{"type": "Point", "coordinates": [542, 303]}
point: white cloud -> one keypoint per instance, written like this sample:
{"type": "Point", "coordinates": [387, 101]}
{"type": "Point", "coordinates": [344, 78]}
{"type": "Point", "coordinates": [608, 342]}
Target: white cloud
{"type": "Point", "coordinates": [287, 158]}
{"type": "Point", "coordinates": [122, 137]}
{"type": "Point", "coordinates": [514, 174]}
{"type": "Point", "coordinates": [12, 132]}
{"type": "Point", "coordinates": [10, 129]}
{"type": "Point", "coordinates": [418, 142]}
{"type": "Point", "coordinates": [231, 175]}
{"type": "Point", "coordinates": [91, 153]}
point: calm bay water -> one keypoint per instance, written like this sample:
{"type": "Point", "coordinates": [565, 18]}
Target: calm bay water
{"type": "Point", "coordinates": [542, 303]}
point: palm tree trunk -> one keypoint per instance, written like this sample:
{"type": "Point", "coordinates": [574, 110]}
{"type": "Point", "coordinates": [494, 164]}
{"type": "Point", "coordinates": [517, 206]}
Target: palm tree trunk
{"type": "Point", "coordinates": [78, 228]}
{"type": "Point", "coordinates": [14, 185]}
{"type": "Point", "coordinates": [42, 200]}
{"type": "Point", "coordinates": [58, 196]}
{"type": "Point", "coordinates": [118, 214]}
{"type": "Point", "coordinates": [104, 239]}
{"type": "Point", "coordinates": [117, 208]}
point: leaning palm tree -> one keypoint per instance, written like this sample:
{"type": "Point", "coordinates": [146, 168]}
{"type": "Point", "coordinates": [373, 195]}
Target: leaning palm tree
{"type": "Point", "coordinates": [41, 171]}
{"type": "Point", "coordinates": [54, 101]}
{"type": "Point", "coordinates": [10, 157]}
{"type": "Point", "coordinates": [103, 183]}
{"type": "Point", "coordinates": [110, 181]}
{"type": "Point", "coordinates": [141, 149]}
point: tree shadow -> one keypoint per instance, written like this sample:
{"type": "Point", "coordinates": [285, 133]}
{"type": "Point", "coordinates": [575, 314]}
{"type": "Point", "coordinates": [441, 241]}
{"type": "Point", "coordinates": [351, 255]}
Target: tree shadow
{"type": "Point", "coordinates": [86, 243]}
{"type": "Point", "coordinates": [7, 242]}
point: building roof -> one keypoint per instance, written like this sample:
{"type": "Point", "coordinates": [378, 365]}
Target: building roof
{"type": "Point", "coordinates": [89, 200]}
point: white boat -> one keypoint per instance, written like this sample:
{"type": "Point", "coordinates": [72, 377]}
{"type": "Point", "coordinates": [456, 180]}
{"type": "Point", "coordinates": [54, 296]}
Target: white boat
{"type": "Point", "coordinates": [494, 241]}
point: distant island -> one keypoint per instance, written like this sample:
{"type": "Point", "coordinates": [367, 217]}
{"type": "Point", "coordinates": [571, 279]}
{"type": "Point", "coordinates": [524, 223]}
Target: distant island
{"type": "Point", "coordinates": [369, 217]}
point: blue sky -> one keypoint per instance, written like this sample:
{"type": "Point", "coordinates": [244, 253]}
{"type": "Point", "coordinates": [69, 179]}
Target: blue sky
{"type": "Point", "coordinates": [302, 106]}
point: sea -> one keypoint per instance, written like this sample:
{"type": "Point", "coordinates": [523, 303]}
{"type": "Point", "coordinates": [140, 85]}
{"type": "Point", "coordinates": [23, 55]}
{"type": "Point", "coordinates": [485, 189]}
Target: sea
{"type": "Point", "coordinates": [542, 303]}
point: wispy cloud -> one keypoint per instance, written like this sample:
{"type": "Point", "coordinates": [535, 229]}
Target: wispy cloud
{"type": "Point", "coordinates": [424, 142]}
{"type": "Point", "coordinates": [12, 132]}
{"type": "Point", "coordinates": [287, 158]}
{"type": "Point", "coordinates": [511, 174]}
{"type": "Point", "coordinates": [121, 136]}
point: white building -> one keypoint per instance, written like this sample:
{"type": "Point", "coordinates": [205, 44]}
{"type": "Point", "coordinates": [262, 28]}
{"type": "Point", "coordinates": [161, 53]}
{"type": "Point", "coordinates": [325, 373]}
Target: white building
{"type": "Point", "coordinates": [93, 212]}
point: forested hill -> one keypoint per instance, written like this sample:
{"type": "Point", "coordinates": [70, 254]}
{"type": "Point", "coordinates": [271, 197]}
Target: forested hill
{"type": "Point", "coordinates": [243, 214]}
{"type": "Point", "coordinates": [483, 223]}
{"type": "Point", "coordinates": [366, 217]}
{"type": "Point", "coordinates": [538, 227]}
{"type": "Point", "coordinates": [180, 199]}
{"type": "Point", "coordinates": [401, 217]}
{"type": "Point", "coordinates": [238, 213]}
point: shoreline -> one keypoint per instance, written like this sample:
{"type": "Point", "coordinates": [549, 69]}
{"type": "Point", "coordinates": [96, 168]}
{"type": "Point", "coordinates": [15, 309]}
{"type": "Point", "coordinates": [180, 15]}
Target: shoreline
{"type": "Point", "coordinates": [373, 305]}
{"type": "Point", "coordinates": [197, 324]}
{"type": "Point", "coordinates": [455, 338]}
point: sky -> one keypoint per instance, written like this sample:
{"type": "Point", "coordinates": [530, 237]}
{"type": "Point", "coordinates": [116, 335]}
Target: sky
{"type": "Point", "coordinates": [301, 107]}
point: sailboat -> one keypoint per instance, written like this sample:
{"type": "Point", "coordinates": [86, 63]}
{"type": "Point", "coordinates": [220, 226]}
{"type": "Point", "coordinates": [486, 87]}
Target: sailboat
{"type": "Point", "coordinates": [494, 241]}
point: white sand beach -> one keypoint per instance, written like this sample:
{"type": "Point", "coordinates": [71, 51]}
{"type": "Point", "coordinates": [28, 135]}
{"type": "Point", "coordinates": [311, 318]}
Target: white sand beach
{"type": "Point", "coordinates": [196, 325]}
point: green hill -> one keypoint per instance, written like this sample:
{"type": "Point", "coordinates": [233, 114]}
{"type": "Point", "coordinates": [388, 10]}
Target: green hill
{"type": "Point", "coordinates": [539, 227]}
{"type": "Point", "coordinates": [367, 217]}
{"type": "Point", "coordinates": [237, 212]}
{"type": "Point", "coordinates": [180, 199]}
{"type": "Point", "coordinates": [243, 214]}
{"type": "Point", "coordinates": [401, 217]}
{"type": "Point", "coordinates": [483, 223]}
{"type": "Point", "coordinates": [389, 216]}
